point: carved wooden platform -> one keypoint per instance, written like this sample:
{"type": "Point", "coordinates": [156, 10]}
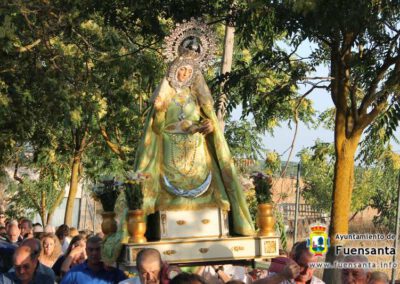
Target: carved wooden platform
{"type": "Point", "coordinates": [206, 250]}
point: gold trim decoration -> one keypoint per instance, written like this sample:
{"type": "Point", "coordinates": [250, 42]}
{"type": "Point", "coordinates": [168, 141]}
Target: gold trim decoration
{"type": "Point", "coordinates": [203, 250]}
{"type": "Point", "coordinates": [181, 222]}
{"type": "Point", "coordinates": [169, 252]}
{"type": "Point", "coordinates": [134, 252]}
{"type": "Point", "coordinates": [270, 247]}
{"type": "Point", "coordinates": [237, 248]}
{"type": "Point", "coordinates": [163, 223]}
{"type": "Point", "coordinates": [205, 221]}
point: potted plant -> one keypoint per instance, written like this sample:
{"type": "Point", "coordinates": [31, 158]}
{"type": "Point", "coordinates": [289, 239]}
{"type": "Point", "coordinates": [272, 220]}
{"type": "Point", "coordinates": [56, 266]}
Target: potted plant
{"type": "Point", "coordinates": [265, 217]}
{"type": "Point", "coordinates": [134, 200]}
{"type": "Point", "coordinates": [107, 193]}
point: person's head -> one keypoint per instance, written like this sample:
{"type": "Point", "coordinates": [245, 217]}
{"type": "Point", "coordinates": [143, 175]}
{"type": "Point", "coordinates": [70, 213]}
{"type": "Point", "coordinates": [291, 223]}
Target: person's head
{"type": "Point", "coordinates": [73, 232]}
{"type": "Point", "coordinates": [62, 232]}
{"type": "Point", "coordinates": [25, 262]}
{"type": "Point", "coordinates": [93, 250]}
{"type": "Point", "coordinates": [302, 256]}
{"type": "Point", "coordinates": [187, 278]}
{"type": "Point", "coordinates": [26, 228]}
{"type": "Point", "coordinates": [355, 275]}
{"type": "Point", "coordinates": [51, 246]}
{"type": "Point", "coordinates": [34, 244]}
{"type": "Point", "coordinates": [378, 277]}
{"type": "Point", "coordinates": [184, 73]}
{"type": "Point", "coordinates": [148, 263]}
{"type": "Point", "coordinates": [85, 233]}
{"type": "Point", "coordinates": [13, 231]}
{"type": "Point", "coordinates": [37, 228]}
{"type": "Point", "coordinates": [77, 241]}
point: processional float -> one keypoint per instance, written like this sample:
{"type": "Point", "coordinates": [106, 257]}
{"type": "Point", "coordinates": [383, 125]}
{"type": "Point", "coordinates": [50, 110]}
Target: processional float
{"type": "Point", "coordinates": [194, 210]}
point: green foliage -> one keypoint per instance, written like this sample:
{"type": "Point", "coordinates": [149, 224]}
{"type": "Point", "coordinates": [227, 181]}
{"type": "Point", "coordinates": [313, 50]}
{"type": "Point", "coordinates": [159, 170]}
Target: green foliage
{"type": "Point", "coordinates": [386, 176]}
{"type": "Point", "coordinates": [379, 133]}
{"type": "Point", "coordinates": [134, 194]}
{"type": "Point", "coordinates": [273, 163]}
{"type": "Point", "coordinates": [81, 73]}
{"type": "Point", "coordinates": [317, 168]}
{"type": "Point", "coordinates": [244, 140]}
{"type": "Point", "coordinates": [76, 80]}
{"type": "Point", "coordinates": [280, 227]}
{"type": "Point", "coordinates": [265, 76]}
{"type": "Point", "coordinates": [375, 182]}
{"type": "Point", "coordinates": [42, 177]}
{"type": "Point", "coordinates": [252, 203]}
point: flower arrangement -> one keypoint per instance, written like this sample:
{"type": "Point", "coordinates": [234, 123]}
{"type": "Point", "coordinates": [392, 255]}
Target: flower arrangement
{"type": "Point", "coordinates": [263, 185]}
{"type": "Point", "coordinates": [107, 193]}
{"type": "Point", "coordinates": [133, 191]}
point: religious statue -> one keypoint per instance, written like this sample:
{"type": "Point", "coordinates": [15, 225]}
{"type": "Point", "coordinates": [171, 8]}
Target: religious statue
{"type": "Point", "coordinates": [183, 150]}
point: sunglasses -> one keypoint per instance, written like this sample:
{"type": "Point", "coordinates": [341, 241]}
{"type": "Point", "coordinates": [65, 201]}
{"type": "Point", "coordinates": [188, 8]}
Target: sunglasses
{"type": "Point", "coordinates": [25, 266]}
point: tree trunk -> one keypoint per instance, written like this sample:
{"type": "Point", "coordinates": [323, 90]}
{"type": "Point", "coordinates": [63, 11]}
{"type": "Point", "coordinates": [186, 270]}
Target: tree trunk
{"type": "Point", "coordinates": [73, 189]}
{"type": "Point", "coordinates": [43, 217]}
{"type": "Point", "coordinates": [80, 136]}
{"type": "Point", "coordinates": [43, 207]}
{"type": "Point", "coordinates": [49, 218]}
{"type": "Point", "coordinates": [56, 203]}
{"type": "Point", "coordinates": [345, 149]}
{"type": "Point", "coordinates": [343, 185]}
{"type": "Point", "coordinates": [226, 67]}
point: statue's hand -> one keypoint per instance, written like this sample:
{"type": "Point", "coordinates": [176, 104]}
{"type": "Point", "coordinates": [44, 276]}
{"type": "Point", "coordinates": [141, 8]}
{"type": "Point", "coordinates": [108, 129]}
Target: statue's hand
{"type": "Point", "coordinates": [206, 127]}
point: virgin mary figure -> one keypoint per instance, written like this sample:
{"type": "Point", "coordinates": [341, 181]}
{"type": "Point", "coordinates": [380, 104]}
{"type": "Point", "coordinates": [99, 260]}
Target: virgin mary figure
{"type": "Point", "coordinates": [183, 150]}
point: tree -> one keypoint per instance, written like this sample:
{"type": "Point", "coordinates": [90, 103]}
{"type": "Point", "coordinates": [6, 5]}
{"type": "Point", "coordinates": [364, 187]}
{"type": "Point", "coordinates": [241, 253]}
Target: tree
{"type": "Point", "coordinates": [317, 164]}
{"type": "Point", "coordinates": [245, 142]}
{"type": "Point", "coordinates": [361, 48]}
{"type": "Point", "coordinates": [318, 170]}
{"type": "Point", "coordinates": [360, 45]}
{"type": "Point", "coordinates": [83, 68]}
{"type": "Point", "coordinates": [387, 174]}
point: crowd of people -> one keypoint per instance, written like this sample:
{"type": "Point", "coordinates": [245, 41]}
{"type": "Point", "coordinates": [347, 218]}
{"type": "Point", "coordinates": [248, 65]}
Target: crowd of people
{"type": "Point", "coordinates": [30, 253]}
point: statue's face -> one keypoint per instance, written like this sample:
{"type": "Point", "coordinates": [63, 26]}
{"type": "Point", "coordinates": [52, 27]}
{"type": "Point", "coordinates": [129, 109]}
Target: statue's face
{"type": "Point", "coordinates": [184, 73]}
